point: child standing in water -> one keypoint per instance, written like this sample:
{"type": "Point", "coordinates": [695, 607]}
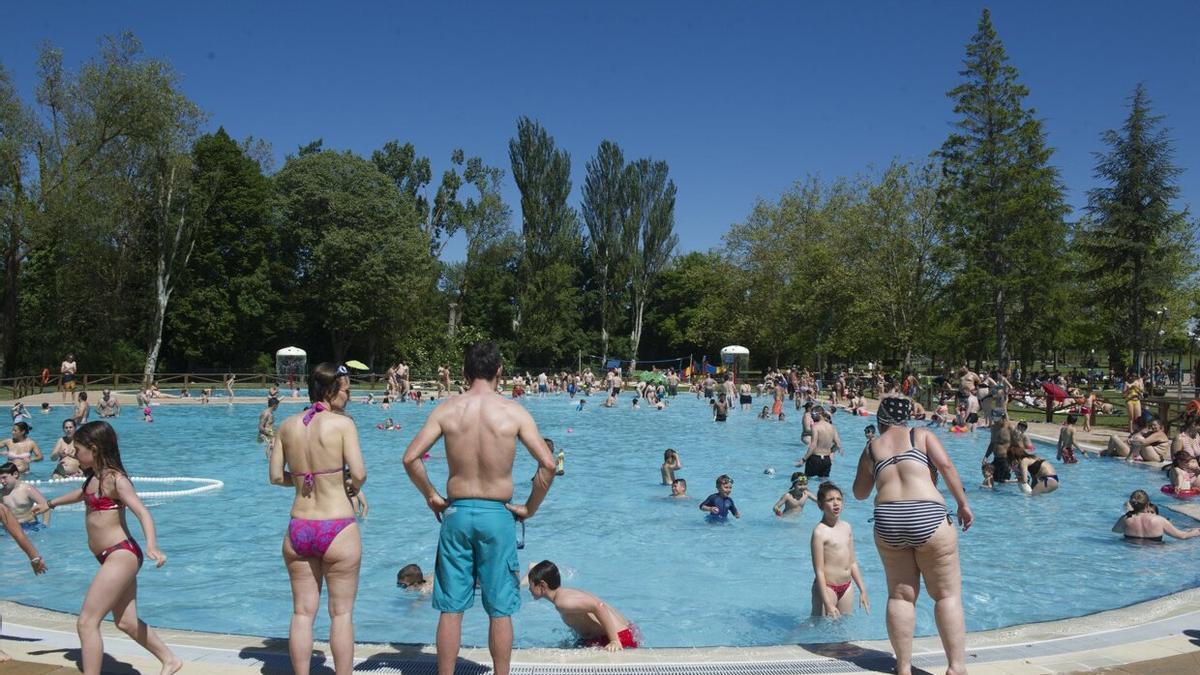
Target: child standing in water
{"type": "Point", "coordinates": [670, 465]}
{"type": "Point", "coordinates": [833, 559]}
{"type": "Point", "coordinates": [793, 500]}
{"type": "Point", "coordinates": [107, 492]}
{"type": "Point", "coordinates": [719, 504]}
{"type": "Point", "coordinates": [1066, 443]}
{"type": "Point", "coordinates": [596, 623]}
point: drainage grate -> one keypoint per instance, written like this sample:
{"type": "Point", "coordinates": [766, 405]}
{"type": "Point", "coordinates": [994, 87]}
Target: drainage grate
{"type": "Point", "coordinates": [869, 661]}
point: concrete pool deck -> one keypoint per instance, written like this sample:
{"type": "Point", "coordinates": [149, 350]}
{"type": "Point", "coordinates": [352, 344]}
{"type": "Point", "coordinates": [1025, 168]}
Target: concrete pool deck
{"type": "Point", "coordinates": [1160, 636]}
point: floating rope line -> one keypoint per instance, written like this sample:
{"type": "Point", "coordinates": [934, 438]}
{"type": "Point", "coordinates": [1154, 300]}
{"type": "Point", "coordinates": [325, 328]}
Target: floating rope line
{"type": "Point", "coordinates": [206, 484]}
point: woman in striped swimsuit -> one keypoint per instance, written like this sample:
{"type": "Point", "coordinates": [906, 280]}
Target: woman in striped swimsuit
{"type": "Point", "coordinates": [913, 531]}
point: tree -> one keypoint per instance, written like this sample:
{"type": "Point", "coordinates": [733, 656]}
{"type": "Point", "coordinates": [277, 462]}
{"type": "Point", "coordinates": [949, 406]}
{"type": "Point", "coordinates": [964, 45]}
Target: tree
{"type": "Point", "coordinates": [548, 315]}
{"type": "Point", "coordinates": [1140, 248]}
{"type": "Point", "coordinates": [18, 135]}
{"type": "Point", "coordinates": [228, 304]}
{"type": "Point", "coordinates": [652, 228]}
{"type": "Point", "coordinates": [1000, 194]}
{"type": "Point", "coordinates": [606, 213]}
{"type": "Point", "coordinates": [357, 250]}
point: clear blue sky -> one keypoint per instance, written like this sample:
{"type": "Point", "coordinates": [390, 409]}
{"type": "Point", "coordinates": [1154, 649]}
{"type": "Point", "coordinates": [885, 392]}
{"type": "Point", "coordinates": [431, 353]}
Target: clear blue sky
{"type": "Point", "coordinates": [741, 98]}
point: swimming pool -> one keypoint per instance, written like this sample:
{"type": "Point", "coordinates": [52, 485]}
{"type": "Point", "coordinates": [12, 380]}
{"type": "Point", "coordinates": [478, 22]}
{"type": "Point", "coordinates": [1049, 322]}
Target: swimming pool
{"type": "Point", "coordinates": [607, 523]}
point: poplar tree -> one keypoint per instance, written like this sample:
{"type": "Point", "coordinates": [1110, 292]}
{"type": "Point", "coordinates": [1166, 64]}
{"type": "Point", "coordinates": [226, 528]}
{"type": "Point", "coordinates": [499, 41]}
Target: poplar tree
{"type": "Point", "coordinates": [1140, 248]}
{"type": "Point", "coordinates": [605, 212]}
{"type": "Point", "coordinates": [1002, 199]}
{"type": "Point", "coordinates": [652, 240]}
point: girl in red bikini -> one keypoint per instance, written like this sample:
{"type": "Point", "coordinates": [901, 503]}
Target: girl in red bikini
{"type": "Point", "coordinates": [107, 493]}
{"type": "Point", "coordinates": [323, 545]}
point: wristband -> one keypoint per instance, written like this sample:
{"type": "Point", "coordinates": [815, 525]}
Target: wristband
{"type": "Point", "coordinates": [36, 559]}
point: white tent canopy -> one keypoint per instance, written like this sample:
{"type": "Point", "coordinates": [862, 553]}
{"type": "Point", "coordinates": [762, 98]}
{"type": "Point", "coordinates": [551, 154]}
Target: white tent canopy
{"type": "Point", "coordinates": [728, 353]}
{"type": "Point", "coordinates": [291, 365]}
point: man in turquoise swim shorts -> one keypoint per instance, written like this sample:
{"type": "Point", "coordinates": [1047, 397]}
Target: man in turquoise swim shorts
{"type": "Point", "coordinates": [478, 538]}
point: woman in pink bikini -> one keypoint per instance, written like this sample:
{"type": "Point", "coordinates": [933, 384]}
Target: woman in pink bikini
{"type": "Point", "coordinates": [107, 493]}
{"type": "Point", "coordinates": [322, 544]}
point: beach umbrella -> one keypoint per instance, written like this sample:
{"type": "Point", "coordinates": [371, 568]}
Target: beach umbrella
{"type": "Point", "coordinates": [1054, 391]}
{"type": "Point", "coordinates": [357, 365]}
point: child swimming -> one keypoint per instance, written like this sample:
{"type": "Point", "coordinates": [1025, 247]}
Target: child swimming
{"type": "Point", "coordinates": [719, 504]}
{"type": "Point", "coordinates": [793, 500]}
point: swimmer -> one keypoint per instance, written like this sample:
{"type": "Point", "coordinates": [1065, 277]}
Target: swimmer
{"type": "Point", "coordinates": [720, 408]}
{"type": "Point", "coordinates": [108, 406]}
{"type": "Point", "coordinates": [411, 578]}
{"type": "Point", "coordinates": [670, 465]}
{"type": "Point", "coordinates": [1143, 525]}
{"type": "Point", "coordinates": [596, 623]}
{"type": "Point", "coordinates": [989, 474]}
{"type": "Point", "coordinates": [765, 414]}
{"type": "Point", "coordinates": [358, 500]}
{"type": "Point", "coordinates": [579, 406]}
{"type": "Point", "coordinates": [266, 423]}
{"type": "Point", "coordinates": [147, 414]}
{"type": "Point", "coordinates": [1183, 472]}
{"type": "Point", "coordinates": [1066, 442]}
{"type": "Point", "coordinates": [719, 504]}
{"type": "Point", "coordinates": [781, 416]}
{"type": "Point", "coordinates": [833, 560]}
{"type": "Point", "coordinates": [825, 441]}
{"type": "Point", "coordinates": [20, 413]}
{"type": "Point", "coordinates": [793, 500]}
{"type": "Point", "coordinates": [45, 408]}
{"type": "Point", "coordinates": [1037, 476]}
{"type": "Point", "coordinates": [679, 488]}
{"type": "Point", "coordinates": [21, 449]}
{"type": "Point", "coordinates": [386, 403]}
{"type": "Point", "coordinates": [20, 497]}
{"type": "Point", "coordinates": [64, 452]}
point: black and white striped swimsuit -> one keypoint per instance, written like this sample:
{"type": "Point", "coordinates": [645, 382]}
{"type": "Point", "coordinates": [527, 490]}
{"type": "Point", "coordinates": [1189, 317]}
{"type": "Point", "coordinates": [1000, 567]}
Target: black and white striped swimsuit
{"type": "Point", "coordinates": [907, 523]}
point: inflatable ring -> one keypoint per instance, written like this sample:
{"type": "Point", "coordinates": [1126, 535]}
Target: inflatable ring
{"type": "Point", "coordinates": [1180, 494]}
{"type": "Point", "coordinates": [206, 484]}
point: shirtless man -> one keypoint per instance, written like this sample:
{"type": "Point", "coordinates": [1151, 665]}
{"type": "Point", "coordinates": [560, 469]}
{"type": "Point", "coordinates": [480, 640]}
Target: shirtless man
{"type": "Point", "coordinates": [108, 406]}
{"type": "Point", "coordinates": [83, 410]}
{"type": "Point", "coordinates": [818, 461]}
{"type": "Point", "coordinates": [402, 375]}
{"type": "Point", "coordinates": [67, 370]}
{"type": "Point", "coordinates": [478, 537]}
{"type": "Point", "coordinates": [746, 399]}
{"type": "Point", "coordinates": [708, 385]}
{"type": "Point", "coordinates": [444, 379]}
{"type": "Point", "coordinates": [266, 424]}
{"type": "Point", "coordinates": [20, 497]}
{"type": "Point", "coordinates": [1002, 438]}
{"type": "Point", "coordinates": [672, 383]}
{"type": "Point", "coordinates": [730, 389]}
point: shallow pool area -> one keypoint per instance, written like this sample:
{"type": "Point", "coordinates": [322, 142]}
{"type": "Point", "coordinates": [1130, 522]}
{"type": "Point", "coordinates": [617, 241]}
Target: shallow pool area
{"type": "Point", "coordinates": [608, 523]}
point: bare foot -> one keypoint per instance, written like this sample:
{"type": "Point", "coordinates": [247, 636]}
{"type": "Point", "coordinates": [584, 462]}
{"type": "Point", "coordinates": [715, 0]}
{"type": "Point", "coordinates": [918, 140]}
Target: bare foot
{"type": "Point", "coordinates": [170, 667]}
{"type": "Point", "coordinates": [4, 656]}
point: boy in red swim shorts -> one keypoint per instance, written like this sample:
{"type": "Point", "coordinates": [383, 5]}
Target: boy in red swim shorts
{"type": "Point", "coordinates": [833, 559]}
{"type": "Point", "coordinates": [597, 623]}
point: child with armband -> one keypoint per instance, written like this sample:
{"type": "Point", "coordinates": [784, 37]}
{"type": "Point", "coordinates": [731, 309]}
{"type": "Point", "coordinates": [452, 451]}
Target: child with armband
{"type": "Point", "coordinates": [833, 559]}
{"type": "Point", "coordinates": [596, 623]}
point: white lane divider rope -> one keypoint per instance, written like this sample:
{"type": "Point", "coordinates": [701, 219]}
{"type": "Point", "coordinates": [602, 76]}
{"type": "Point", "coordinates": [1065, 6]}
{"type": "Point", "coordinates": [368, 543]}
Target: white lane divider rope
{"type": "Point", "coordinates": [206, 484]}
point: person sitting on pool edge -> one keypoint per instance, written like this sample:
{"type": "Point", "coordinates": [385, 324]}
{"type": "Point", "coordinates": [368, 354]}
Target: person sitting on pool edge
{"type": "Point", "coordinates": [719, 504]}
{"type": "Point", "coordinates": [1141, 524]}
{"type": "Point", "coordinates": [597, 623]}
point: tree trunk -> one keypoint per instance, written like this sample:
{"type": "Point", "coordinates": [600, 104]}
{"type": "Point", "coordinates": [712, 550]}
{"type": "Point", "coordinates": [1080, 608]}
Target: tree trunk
{"type": "Point", "coordinates": [636, 337]}
{"type": "Point", "coordinates": [162, 295]}
{"type": "Point", "coordinates": [1001, 330]}
{"type": "Point", "coordinates": [604, 313]}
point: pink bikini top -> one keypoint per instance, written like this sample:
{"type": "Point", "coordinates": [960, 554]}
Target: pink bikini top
{"type": "Point", "coordinates": [98, 502]}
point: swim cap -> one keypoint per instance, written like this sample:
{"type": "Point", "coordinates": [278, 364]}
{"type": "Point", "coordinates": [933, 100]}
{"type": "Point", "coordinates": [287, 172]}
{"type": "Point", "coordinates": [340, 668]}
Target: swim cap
{"type": "Point", "coordinates": [894, 411]}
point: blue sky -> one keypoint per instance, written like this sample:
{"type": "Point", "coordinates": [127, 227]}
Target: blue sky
{"type": "Point", "coordinates": [741, 99]}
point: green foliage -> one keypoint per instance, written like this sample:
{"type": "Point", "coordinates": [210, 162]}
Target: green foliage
{"type": "Point", "coordinates": [1001, 197]}
{"type": "Point", "coordinates": [1139, 249]}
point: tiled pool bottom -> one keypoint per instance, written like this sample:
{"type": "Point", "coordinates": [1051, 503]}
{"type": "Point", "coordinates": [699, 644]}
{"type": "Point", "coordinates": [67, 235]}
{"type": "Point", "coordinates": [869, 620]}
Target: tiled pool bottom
{"type": "Point", "coordinates": [1149, 630]}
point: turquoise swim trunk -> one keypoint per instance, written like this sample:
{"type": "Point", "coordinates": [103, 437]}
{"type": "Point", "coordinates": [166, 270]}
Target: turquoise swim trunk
{"type": "Point", "coordinates": [478, 541]}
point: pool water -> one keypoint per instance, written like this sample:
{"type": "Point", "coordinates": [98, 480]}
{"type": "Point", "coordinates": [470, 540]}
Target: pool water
{"type": "Point", "coordinates": [609, 525]}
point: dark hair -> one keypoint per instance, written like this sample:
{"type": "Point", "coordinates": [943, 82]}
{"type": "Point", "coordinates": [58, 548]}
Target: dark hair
{"type": "Point", "coordinates": [723, 478]}
{"type": "Point", "coordinates": [101, 439]}
{"type": "Point", "coordinates": [667, 454]}
{"type": "Point", "coordinates": [69, 419]}
{"type": "Point", "coordinates": [679, 481]}
{"type": "Point", "coordinates": [549, 443]}
{"type": "Point", "coordinates": [83, 396]}
{"type": "Point", "coordinates": [1071, 419]}
{"type": "Point", "coordinates": [23, 426]}
{"type": "Point", "coordinates": [1139, 500]}
{"type": "Point", "coordinates": [481, 361]}
{"type": "Point", "coordinates": [410, 574]}
{"type": "Point", "coordinates": [323, 382]}
{"type": "Point", "coordinates": [547, 572]}
{"type": "Point", "coordinates": [824, 491]}
{"type": "Point", "coordinates": [9, 467]}
{"type": "Point", "coordinates": [869, 429]}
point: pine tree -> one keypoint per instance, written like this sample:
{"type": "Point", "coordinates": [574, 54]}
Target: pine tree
{"type": "Point", "coordinates": [1003, 199]}
{"type": "Point", "coordinates": [1137, 244]}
